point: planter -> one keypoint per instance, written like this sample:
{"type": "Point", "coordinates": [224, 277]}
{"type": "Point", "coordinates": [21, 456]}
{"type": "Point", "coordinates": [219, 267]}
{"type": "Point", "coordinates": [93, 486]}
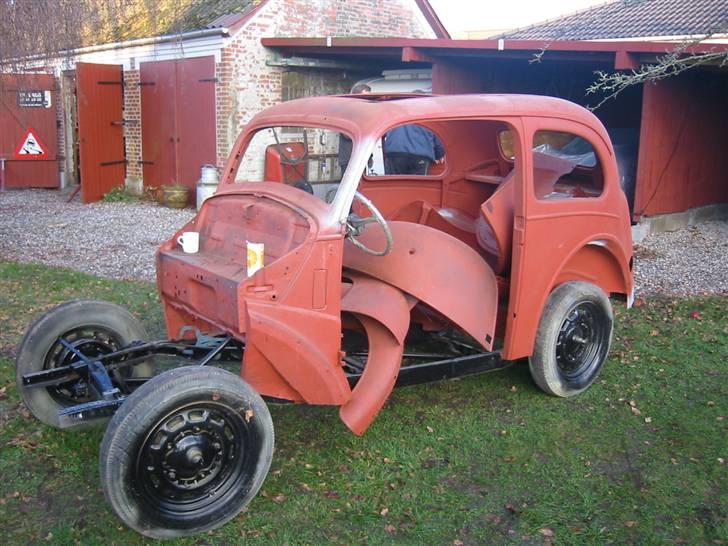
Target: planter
{"type": "Point", "coordinates": [176, 196]}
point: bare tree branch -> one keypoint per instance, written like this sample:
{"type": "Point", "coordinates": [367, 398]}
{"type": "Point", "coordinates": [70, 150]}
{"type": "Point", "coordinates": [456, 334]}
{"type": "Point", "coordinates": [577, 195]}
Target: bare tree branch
{"type": "Point", "coordinates": [671, 64]}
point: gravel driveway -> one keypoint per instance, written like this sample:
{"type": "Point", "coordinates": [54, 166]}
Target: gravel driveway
{"type": "Point", "coordinates": [118, 240]}
{"type": "Point", "coordinates": [115, 240]}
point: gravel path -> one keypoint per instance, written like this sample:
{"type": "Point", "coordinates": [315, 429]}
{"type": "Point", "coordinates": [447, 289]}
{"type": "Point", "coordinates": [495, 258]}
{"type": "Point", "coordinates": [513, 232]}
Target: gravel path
{"type": "Point", "coordinates": [118, 240]}
{"type": "Point", "coordinates": [686, 262]}
{"type": "Point", "coordinates": [114, 240]}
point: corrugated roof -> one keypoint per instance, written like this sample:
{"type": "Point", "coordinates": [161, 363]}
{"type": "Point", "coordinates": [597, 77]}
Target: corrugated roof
{"type": "Point", "coordinates": [134, 19]}
{"type": "Point", "coordinates": [632, 19]}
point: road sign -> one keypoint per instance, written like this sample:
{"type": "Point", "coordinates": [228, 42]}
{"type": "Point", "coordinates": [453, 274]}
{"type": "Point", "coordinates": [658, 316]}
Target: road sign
{"type": "Point", "coordinates": [31, 147]}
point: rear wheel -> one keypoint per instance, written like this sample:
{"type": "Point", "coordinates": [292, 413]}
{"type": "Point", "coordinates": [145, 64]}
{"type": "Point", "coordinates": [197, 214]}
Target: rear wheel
{"type": "Point", "coordinates": [93, 328]}
{"type": "Point", "coordinates": [186, 452]}
{"type": "Point", "coordinates": [572, 340]}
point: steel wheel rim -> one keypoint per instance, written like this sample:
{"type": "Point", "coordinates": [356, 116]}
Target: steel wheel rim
{"type": "Point", "coordinates": [582, 341]}
{"type": "Point", "coordinates": [193, 461]}
{"type": "Point", "coordinates": [91, 341]}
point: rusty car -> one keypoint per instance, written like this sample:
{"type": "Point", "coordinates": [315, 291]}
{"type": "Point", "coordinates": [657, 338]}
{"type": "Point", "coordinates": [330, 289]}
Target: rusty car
{"type": "Point", "coordinates": [325, 280]}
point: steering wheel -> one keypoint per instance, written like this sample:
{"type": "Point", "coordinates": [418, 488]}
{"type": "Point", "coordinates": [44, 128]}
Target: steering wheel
{"type": "Point", "coordinates": [355, 224]}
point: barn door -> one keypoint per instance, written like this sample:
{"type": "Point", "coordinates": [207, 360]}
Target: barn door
{"type": "Point", "coordinates": [195, 102]}
{"type": "Point", "coordinates": [28, 138]}
{"type": "Point", "coordinates": [178, 120]}
{"type": "Point", "coordinates": [102, 159]}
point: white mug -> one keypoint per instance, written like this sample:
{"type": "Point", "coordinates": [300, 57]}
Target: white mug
{"type": "Point", "coordinates": [190, 241]}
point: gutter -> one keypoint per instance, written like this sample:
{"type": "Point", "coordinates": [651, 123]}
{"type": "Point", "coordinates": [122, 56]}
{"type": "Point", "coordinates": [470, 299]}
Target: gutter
{"type": "Point", "coordinates": [191, 35]}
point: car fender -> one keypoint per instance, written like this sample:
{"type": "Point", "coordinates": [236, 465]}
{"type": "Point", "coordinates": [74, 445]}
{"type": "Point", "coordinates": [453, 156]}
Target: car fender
{"type": "Point", "coordinates": [435, 268]}
{"type": "Point", "coordinates": [384, 312]}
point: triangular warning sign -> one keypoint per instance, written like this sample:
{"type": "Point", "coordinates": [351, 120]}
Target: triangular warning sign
{"type": "Point", "coordinates": [31, 147]}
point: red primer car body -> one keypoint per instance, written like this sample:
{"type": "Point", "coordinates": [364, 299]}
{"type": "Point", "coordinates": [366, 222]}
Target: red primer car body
{"type": "Point", "coordinates": [479, 244]}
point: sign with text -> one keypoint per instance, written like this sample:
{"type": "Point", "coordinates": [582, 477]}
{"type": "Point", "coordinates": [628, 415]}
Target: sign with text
{"type": "Point", "coordinates": [34, 98]}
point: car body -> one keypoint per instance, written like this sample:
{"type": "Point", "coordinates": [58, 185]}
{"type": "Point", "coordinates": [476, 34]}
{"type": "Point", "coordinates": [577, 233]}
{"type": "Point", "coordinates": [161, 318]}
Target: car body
{"type": "Point", "coordinates": [290, 314]}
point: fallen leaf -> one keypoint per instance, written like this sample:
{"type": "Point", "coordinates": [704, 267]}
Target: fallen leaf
{"type": "Point", "coordinates": [279, 498]}
{"type": "Point", "coordinates": [636, 411]}
{"type": "Point", "coordinates": [430, 429]}
{"type": "Point", "coordinates": [457, 542]}
{"type": "Point", "coordinates": [514, 389]}
{"type": "Point", "coordinates": [3, 392]}
{"type": "Point", "coordinates": [384, 511]}
{"type": "Point", "coordinates": [545, 531]}
{"type": "Point", "coordinates": [695, 315]}
{"type": "Point", "coordinates": [305, 487]}
{"type": "Point", "coordinates": [711, 403]}
{"type": "Point", "coordinates": [654, 333]}
{"type": "Point", "coordinates": [391, 529]}
{"type": "Point", "coordinates": [630, 523]}
{"type": "Point", "coordinates": [648, 419]}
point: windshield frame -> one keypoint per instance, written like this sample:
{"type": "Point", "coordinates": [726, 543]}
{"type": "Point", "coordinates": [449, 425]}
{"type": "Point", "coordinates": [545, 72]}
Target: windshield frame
{"type": "Point", "coordinates": [338, 209]}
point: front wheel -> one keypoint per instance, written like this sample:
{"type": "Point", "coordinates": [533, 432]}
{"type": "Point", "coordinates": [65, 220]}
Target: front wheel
{"type": "Point", "coordinates": [186, 452]}
{"type": "Point", "coordinates": [572, 340]}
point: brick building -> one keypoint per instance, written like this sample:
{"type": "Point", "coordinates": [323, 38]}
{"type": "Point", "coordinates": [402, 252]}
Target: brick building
{"type": "Point", "coordinates": [155, 105]}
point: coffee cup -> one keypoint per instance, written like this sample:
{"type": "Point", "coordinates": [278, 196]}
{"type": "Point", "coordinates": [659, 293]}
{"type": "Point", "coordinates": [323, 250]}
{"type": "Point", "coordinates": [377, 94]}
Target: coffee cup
{"type": "Point", "coordinates": [189, 241]}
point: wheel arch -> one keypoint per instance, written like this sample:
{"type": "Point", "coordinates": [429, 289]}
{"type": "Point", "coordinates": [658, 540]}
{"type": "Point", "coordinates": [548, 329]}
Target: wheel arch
{"type": "Point", "coordinates": [599, 259]}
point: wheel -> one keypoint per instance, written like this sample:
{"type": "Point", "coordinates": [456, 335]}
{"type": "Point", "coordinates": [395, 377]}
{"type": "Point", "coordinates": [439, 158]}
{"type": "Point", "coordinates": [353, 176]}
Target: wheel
{"type": "Point", "coordinates": [572, 340]}
{"type": "Point", "coordinates": [92, 327]}
{"type": "Point", "coordinates": [186, 452]}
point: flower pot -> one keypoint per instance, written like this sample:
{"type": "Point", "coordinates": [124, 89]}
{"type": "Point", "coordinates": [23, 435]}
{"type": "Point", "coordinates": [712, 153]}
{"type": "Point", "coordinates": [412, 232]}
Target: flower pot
{"type": "Point", "coordinates": [176, 196]}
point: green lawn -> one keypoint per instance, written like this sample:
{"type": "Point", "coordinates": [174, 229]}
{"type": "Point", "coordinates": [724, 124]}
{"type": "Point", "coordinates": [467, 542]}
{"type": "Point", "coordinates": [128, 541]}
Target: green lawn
{"type": "Point", "coordinates": [637, 459]}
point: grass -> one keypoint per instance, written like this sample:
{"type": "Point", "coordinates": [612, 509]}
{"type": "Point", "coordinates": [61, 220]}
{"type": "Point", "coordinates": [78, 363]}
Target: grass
{"type": "Point", "coordinates": [637, 459]}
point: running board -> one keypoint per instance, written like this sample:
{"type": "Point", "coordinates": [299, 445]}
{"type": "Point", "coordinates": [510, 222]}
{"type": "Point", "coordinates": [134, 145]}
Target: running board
{"type": "Point", "coordinates": [450, 368]}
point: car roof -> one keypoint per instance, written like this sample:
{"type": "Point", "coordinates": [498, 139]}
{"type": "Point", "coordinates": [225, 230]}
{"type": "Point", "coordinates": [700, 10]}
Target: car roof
{"type": "Point", "coordinates": [362, 114]}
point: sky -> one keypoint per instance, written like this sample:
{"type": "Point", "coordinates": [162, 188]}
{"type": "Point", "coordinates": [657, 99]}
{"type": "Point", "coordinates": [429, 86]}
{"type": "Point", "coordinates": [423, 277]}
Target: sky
{"type": "Point", "coordinates": [460, 16]}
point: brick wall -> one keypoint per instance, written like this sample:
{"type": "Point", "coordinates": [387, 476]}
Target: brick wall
{"type": "Point", "coordinates": [248, 85]}
{"type": "Point", "coordinates": [132, 127]}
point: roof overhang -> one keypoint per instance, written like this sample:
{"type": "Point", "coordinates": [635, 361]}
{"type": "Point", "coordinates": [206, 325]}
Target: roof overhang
{"type": "Point", "coordinates": [624, 55]}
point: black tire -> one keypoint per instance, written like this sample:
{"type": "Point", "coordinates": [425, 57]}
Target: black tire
{"type": "Point", "coordinates": [572, 340]}
{"type": "Point", "coordinates": [92, 327]}
{"type": "Point", "coordinates": [186, 452]}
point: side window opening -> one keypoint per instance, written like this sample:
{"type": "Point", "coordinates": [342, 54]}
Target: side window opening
{"type": "Point", "coordinates": [410, 149]}
{"type": "Point", "coordinates": [565, 167]}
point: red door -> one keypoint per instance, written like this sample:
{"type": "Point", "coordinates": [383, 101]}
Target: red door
{"type": "Point", "coordinates": [159, 133]}
{"type": "Point", "coordinates": [195, 103]}
{"type": "Point", "coordinates": [178, 120]}
{"type": "Point", "coordinates": [28, 137]}
{"type": "Point", "coordinates": [102, 159]}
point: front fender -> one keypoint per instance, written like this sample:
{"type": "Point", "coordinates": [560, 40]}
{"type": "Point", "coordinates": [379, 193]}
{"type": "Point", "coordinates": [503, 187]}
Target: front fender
{"type": "Point", "coordinates": [286, 361]}
{"type": "Point", "coordinates": [438, 270]}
